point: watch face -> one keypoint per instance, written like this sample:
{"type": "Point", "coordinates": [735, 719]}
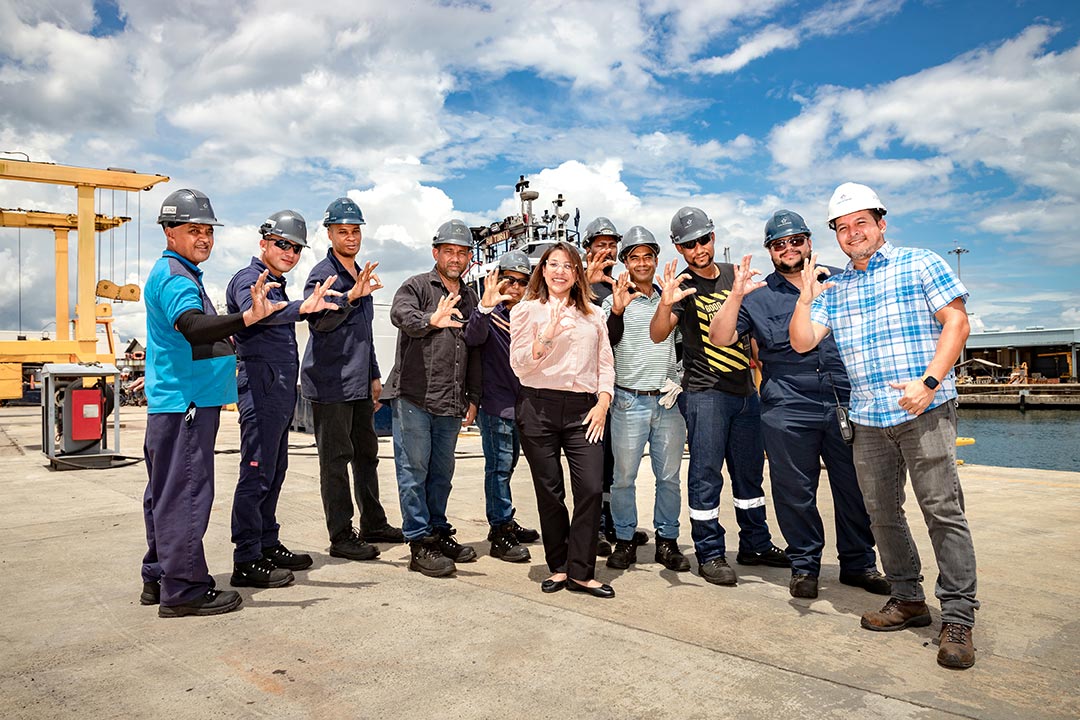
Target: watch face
{"type": "Point", "coordinates": [930, 382]}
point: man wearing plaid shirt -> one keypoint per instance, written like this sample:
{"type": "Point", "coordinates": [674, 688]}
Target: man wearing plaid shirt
{"type": "Point", "coordinates": [899, 321]}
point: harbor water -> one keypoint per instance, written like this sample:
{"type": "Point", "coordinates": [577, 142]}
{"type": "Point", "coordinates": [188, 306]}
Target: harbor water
{"type": "Point", "coordinates": [1042, 439]}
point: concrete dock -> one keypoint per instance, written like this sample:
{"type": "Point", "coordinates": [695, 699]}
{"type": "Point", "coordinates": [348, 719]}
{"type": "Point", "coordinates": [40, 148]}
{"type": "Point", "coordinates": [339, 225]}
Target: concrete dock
{"type": "Point", "coordinates": [372, 640]}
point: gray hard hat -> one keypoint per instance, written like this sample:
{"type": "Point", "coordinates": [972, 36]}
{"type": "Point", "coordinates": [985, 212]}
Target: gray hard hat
{"type": "Point", "coordinates": [453, 232]}
{"type": "Point", "coordinates": [635, 237]}
{"type": "Point", "coordinates": [187, 206]}
{"type": "Point", "coordinates": [689, 223]}
{"type": "Point", "coordinates": [343, 211]}
{"type": "Point", "coordinates": [515, 261]}
{"type": "Point", "coordinates": [287, 224]}
{"type": "Point", "coordinates": [785, 223]}
{"type": "Point", "coordinates": [600, 226]}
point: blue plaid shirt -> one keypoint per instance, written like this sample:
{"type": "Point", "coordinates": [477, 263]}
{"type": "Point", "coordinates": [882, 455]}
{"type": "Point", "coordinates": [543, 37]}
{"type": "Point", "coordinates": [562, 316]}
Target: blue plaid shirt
{"type": "Point", "coordinates": [883, 321]}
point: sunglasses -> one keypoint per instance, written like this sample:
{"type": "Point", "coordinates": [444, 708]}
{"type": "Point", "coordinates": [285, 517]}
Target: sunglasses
{"type": "Point", "coordinates": [691, 244]}
{"type": "Point", "coordinates": [521, 282]}
{"type": "Point", "coordinates": [286, 245]}
{"type": "Point", "coordinates": [796, 241]}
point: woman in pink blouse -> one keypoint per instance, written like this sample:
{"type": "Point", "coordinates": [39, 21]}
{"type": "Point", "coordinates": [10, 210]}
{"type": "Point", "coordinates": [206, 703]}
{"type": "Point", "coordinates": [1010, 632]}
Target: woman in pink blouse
{"type": "Point", "coordinates": [560, 352]}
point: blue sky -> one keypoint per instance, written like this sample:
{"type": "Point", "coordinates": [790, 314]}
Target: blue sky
{"type": "Point", "coordinates": [964, 116]}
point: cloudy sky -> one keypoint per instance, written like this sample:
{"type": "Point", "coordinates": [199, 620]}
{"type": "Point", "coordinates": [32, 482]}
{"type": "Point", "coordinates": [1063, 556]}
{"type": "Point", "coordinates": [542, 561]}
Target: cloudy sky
{"type": "Point", "coordinates": [964, 115]}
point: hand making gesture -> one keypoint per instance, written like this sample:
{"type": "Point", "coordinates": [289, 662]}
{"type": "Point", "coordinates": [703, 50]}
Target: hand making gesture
{"type": "Point", "coordinates": [811, 286]}
{"type": "Point", "coordinates": [670, 292]}
{"type": "Point", "coordinates": [494, 290]}
{"type": "Point", "coordinates": [261, 305]}
{"type": "Point", "coordinates": [622, 293]}
{"type": "Point", "coordinates": [744, 279]}
{"type": "Point", "coordinates": [446, 315]}
{"type": "Point", "coordinates": [554, 326]}
{"type": "Point", "coordinates": [600, 262]}
{"type": "Point", "coordinates": [316, 301]}
{"type": "Point", "coordinates": [367, 282]}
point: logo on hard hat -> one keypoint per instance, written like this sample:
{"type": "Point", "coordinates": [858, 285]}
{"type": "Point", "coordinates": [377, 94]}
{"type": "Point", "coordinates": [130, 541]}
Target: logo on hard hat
{"type": "Point", "coordinates": [168, 209]}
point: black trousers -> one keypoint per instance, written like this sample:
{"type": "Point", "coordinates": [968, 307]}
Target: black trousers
{"type": "Point", "coordinates": [550, 423]}
{"type": "Point", "coordinates": [345, 435]}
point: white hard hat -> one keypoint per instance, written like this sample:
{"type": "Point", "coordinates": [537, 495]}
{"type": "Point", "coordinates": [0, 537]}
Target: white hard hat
{"type": "Point", "coordinates": [852, 197]}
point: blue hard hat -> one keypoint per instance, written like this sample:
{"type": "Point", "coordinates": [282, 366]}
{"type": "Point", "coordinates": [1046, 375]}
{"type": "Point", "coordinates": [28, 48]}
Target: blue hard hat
{"type": "Point", "coordinates": [785, 223]}
{"type": "Point", "coordinates": [343, 211]}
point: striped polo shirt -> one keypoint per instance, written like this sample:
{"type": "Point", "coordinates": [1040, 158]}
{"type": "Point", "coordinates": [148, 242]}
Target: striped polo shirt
{"type": "Point", "coordinates": [641, 364]}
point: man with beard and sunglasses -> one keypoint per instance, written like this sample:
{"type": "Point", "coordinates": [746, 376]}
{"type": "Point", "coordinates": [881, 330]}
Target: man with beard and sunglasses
{"type": "Point", "coordinates": [719, 402]}
{"type": "Point", "coordinates": [267, 371]}
{"type": "Point", "coordinates": [799, 396]}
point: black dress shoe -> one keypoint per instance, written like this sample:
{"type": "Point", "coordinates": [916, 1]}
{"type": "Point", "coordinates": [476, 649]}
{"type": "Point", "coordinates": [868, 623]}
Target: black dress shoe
{"type": "Point", "coordinates": [604, 591]}
{"type": "Point", "coordinates": [552, 586]}
{"type": "Point", "coordinates": [773, 557]}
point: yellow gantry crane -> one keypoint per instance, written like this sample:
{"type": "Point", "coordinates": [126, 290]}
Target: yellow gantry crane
{"type": "Point", "coordinates": [86, 221]}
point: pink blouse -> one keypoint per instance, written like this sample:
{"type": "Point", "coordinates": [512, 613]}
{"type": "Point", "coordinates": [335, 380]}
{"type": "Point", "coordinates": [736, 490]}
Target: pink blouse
{"type": "Point", "coordinates": [580, 358]}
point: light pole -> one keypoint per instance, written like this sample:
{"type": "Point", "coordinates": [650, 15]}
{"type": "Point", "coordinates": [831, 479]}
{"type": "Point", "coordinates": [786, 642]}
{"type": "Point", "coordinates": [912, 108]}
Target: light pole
{"type": "Point", "coordinates": [958, 251]}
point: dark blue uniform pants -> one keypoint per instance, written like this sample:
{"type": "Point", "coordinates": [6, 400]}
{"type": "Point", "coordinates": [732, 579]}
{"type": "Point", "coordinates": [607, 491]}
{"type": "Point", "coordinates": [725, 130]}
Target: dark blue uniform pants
{"type": "Point", "coordinates": [179, 452]}
{"type": "Point", "coordinates": [797, 437]}
{"type": "Point", "coordinates": [266, 400]}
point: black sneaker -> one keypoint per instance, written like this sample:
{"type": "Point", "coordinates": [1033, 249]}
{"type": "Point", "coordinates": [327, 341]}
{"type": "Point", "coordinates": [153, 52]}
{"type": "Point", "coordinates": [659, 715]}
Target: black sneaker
{"type": "Point", "coordinates": [151, 593]}
{"type": "Point", "coordinates": [718, 572]}
{"type": "Point", "coordinates": [505, 545]}
{"type": "Point", "coordinates": [282, 557]}
{"type": "Point", "coordinates": [869, 580]}
{"type": "Point", "coordinates": [353, 547]}
{"type": "Point", "coordinates": [803, 585]}
{"type": "Point", "coordinates": [260, 573]}
{"type": "Point", "coordinates": [603, 547]}
{"type": "Point", "coordinates": [523, 534]}
{"type": "Point", "coordinates": [623, 556]}
{"type": "Point", "coordinates": [428, 559]}
{"type": "Point", "coordinates": [386, 534]}
{"type": "Point", "coordinates": [451, 548]}
{"type": "Point", "coordinates": [773, 557]}
{"type": "Point", "coordinates": [212, 602]}
{"type": "Point", "coordinates": [669, 555]}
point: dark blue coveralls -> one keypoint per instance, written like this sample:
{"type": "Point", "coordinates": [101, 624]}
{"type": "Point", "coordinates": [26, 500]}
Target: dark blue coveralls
{"type": "Point", "coordinates": [799, 426]}
{"type": "Point", "coordinates": [266, 388]}
{"type": "Point", "coordinates": [186, 385]}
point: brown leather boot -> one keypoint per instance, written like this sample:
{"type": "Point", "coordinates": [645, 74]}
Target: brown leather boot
{"type": "Point", "coordinates": [957, 649]}
{"type": "Point", "coordinates": [897, 615]}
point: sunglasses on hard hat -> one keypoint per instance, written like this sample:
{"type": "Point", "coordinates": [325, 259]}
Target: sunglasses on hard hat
{"type": "Point", "coordinates": [795, 241]}
{"type": "Point", "coordinates": [691, 244]}
{"type": "Point", "coordinates": [286, 245]}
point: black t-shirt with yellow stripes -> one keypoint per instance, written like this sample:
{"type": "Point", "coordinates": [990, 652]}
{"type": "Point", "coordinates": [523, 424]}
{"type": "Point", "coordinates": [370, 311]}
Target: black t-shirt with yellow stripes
{"type": "Point", "coordinates": [707, 366]}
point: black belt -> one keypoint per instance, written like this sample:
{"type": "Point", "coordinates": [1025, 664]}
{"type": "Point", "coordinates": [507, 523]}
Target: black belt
{"type": "Point", "coordinates": [552, 394]}
{"type": "Point", "coordinates": [638, 392]}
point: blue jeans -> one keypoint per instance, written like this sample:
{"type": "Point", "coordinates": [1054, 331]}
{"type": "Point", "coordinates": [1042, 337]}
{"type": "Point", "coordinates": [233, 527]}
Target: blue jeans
{"type": "Point", "coordinates": [635, 420]}
{"type": "Point", "coordinates": [924, 448]}
{"type": "Point", "coordinates": [502, 447]}
{"type": "Point", "coordinates": [424, 447]}
{"type": "Point", "coordinates": [724, 427]}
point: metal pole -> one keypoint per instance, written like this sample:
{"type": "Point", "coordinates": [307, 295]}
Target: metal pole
{"type": "Point", "coordinates": [958, 251]}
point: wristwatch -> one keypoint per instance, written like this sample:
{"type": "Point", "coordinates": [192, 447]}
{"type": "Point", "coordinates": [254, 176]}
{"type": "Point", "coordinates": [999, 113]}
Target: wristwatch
{"type": "Point", "coordinates": [930, 381]}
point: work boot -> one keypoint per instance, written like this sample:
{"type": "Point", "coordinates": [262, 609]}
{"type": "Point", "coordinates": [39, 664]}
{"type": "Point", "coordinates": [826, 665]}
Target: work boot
{"type": "Point", "coordinates": [260, 573]}
{"type": "Point", "coordinates": [428, 559]}
{"type": "Point", "coordinates": [451, 548]}
{"type": "Point", "coordinates": [956, 646]}
{"type": "Point", "coordinates": [603, 547]}
{"type": "Point", "coordinates": [386, 534]}
{"type": "Point", "coordinates": [897, 615]}
{"type": "Point", "coordinates": [282, 557]}
{"type": "Point", "coordinates": [151, 593]}
{"type": "Point", "coordinates": [523, 534]}
{"type": "Point", "coordinates": [505, 546]}
{"type": "Point", "coordinates": [353, 547]}
{"type": "Point", "coordinates": [640, 538]}
{"type": "Point", "coordinates": [803, 585]}
{"type": "Point", "coordinates": [718, 572]}
{"type": "Point", "coordinates": [624, 555]}
{"type": "Point", "coordinates": [668, 555]}
{"type": "Point", "coordinates": [773, 557]}
{"type": "Point", "coordinates": [212, 602]}
{"type": "Point", "coordinates": [869, 580]}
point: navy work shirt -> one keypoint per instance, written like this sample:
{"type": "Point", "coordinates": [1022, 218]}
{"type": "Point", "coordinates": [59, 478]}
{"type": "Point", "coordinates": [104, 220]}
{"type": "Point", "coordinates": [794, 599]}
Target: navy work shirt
{"type": "Point", "coordinates": [788, 377]}
{"type": "Point", "coordinates": [491, 333]}
{"type": "Point", "coordinates": [272, 339]}
{"type": "Point", "coordinates": [339, 361]}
